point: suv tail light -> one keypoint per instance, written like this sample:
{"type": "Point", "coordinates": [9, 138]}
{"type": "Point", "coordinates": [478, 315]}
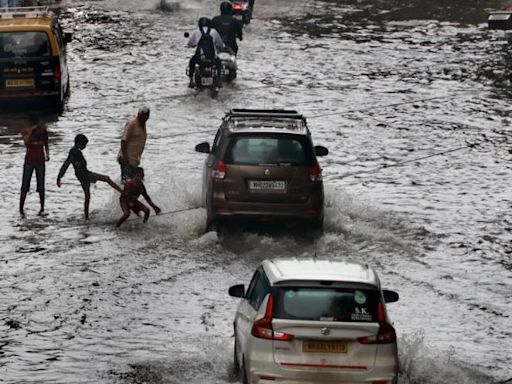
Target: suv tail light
{"type": "Point", "coordinates": [386, 333]}
{"type": "Point", "coordinates": [262, 328]}
{"type": "Point", "coordinates": [315, 172]}
{"type": "Point", "coordinates": [237, 6]}
{"type": "Point", "coordinates": [219, 170]}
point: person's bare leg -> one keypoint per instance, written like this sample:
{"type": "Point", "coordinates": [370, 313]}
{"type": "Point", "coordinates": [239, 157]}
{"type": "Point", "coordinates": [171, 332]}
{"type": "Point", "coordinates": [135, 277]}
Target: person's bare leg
{"type": "Point", "coordinates": [23, 197]}
{"type": "Point", "coordinates": [40, 175]}
{"type": "Point", "coordinates": [41, 202]}
{"type": "Point", "coordinates": [146, 214]}
{"type": "Point", "coordinates": [87, 192]}
{"type": "Point", "coordinates": [109, 181]}
{"type": "Point", "coordinates": [126, 213]}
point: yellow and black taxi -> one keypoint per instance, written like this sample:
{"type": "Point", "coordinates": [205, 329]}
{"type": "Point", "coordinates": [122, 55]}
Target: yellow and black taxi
{"type": "Point", "coordinates": [32, 56]}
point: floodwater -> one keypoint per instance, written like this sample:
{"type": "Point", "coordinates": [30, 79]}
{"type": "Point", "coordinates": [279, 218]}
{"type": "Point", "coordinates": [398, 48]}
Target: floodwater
{"type": "Point", "coordinates": [384, 84]}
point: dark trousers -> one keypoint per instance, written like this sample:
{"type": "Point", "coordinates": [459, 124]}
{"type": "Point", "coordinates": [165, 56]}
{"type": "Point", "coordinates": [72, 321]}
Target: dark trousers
{"type": "Point", "coordinates": [194, 60]}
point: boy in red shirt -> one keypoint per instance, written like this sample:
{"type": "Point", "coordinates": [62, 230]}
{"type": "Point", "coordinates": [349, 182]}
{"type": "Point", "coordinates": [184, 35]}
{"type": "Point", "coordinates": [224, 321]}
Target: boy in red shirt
{"type": "Point", "coordinates": [35, 138]}
{"type": "Point", "coordinates": [133, 188]}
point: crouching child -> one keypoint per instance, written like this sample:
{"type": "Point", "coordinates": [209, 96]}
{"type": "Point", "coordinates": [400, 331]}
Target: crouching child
{"type": "Point", "coordinates": [133, 188]}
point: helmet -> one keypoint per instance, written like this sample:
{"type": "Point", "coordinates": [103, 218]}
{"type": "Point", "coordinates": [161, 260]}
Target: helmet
{"type": "Point", "coordinates": [226, 8]}
{"type": "Point", "coordinates": [204, 22]}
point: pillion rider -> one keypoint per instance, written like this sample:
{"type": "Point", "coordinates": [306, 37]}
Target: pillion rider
{"type": "Point", "coordinates": [207, 42]}
{"type": "Point", "coordinates": [227, 26]}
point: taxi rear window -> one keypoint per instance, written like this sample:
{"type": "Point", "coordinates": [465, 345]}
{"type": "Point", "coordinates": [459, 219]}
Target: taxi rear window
{"type": "Point", "coordinates": [24, 44]}
{"type": "Point", "coordinates": [327, 304]}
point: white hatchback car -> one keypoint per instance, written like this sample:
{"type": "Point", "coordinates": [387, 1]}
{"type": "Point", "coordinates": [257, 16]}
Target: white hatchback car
{"type": "Point", "coordinates": [314, 321]}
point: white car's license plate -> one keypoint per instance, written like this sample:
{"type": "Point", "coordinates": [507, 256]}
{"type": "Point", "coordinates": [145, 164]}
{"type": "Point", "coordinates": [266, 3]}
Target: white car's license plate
{"type": "Point", "coordinates": [207, 81]}
{"type": "Point", "coordinates": [261, 185]}
{"type": "Point", "coordinates": [324, 346]}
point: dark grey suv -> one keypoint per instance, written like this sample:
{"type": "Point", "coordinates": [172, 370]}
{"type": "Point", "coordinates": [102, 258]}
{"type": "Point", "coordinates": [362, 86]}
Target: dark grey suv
{"type": "Point", "coordinates": [263, 166]}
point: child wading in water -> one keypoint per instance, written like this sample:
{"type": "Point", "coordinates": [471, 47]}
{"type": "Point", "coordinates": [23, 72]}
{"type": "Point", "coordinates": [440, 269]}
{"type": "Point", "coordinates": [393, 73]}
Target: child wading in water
{"type": "Point", "coordinates": [83, 175]}
{"type": "Point", "coordinates": [133, 188]}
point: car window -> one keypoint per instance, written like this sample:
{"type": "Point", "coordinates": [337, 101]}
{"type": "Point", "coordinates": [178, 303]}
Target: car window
{"type": "Point", "coordinates": [327, 304]}
{"type": "Point", "coordinates": [24, 44]}
{"type": "Point", "coordinates": [58, 35]}
{"type": "Point", "coordinates": [258, 290]}
{"type": "Point", "coordinates": [216, 141]}
{"type": "Point", "coordinates": [269, 149]}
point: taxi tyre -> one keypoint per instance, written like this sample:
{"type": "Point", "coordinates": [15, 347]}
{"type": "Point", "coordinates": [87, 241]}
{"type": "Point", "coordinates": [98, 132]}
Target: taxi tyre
{"type": "Point", "coordinates": [68, 89]}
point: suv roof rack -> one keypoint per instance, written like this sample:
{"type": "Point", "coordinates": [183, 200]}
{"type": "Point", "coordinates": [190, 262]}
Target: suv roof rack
{"type": "Point", "coordinates": [281, 113]}
{"type": "Point", "coordinates": [25, 12]}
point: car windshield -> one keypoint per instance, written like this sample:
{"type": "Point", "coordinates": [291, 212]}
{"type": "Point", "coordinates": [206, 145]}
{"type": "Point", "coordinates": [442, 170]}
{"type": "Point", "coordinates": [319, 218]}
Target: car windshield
{"type": "Point", "coordinates": [24, 44]}
{"type": "Point", "coordinates": [269, 149]}
{"type": "Point", "coordinates": [327, 304]}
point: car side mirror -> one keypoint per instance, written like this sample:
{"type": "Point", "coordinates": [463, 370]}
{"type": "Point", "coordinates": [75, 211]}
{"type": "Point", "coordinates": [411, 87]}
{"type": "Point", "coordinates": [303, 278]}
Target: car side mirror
{"type": "Point", "coordinates": [68, 36]}
{"type": "Point", "coordinates": [321, 151]}
{"type": "Point", "coordinates": [237, 290]}
{"type": "Point", "coordinates": [390, 296]}
{"type": "Point", "coordinates": [186, 34]}
{"type": "Point", "coordinates": [203, 147]}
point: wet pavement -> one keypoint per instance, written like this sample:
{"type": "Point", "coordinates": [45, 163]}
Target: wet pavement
{"type": "Point", "coordinates": [384, 85]}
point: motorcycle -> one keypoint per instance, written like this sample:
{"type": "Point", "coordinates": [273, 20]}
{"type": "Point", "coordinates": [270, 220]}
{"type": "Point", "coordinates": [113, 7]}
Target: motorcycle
{"type": "Point", "coordinates": [206, 76]}
{"type": "Point", "coordinates": [229, 67]}
{"type": "Point", "coordinates": [242, 11]}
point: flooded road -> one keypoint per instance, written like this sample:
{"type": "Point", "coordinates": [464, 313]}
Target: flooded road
{"type": "Point", "coordinates": [384, 85]}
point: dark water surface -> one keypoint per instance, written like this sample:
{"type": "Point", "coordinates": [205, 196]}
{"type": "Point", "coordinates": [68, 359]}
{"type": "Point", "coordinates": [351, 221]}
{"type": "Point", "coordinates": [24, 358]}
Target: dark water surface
{"type": "Point", "coordinates": [381, 82]}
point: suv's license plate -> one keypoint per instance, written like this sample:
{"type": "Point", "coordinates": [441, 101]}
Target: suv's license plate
{"type": "Point", "coordinates": [19, 83]}
{"type": "Point", "coordinates": [207, 81]}
{"type": "Point", "coordinates": [324, 346]}
{"type": "Point", "coordinates": [267, 185]}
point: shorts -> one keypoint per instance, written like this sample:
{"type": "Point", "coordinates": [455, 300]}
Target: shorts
{"type": "Point", "coordinates": [28, 170]}
{"type": "Point", "coordinates": [127, 172]}
{"type": "Point", "coordinates": [91, 177]}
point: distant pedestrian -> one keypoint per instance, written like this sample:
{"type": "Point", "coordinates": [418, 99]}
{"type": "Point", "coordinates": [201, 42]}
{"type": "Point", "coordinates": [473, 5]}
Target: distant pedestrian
{"type": "Point", "coordinates": [133, 188]}
{"type": "Point", "coordinates": [83, 175]}
{"type": "Point", "coordinates": [133, 141]}
{"type": "Point", "coordinates": [35, 137]}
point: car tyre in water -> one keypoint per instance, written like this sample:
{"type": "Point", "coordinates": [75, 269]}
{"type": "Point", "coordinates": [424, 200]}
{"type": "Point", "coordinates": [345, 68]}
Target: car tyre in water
{"type": "Point", "coordinates": [245, 378]}
{"type": "Point", "coordinates": [236, 365]}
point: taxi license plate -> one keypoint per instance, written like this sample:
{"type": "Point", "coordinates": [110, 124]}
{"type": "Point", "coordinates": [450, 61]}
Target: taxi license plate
{"type": "Point", "coordinates": [256, 185]}
{"type": "Point", "coordinates": [207, 81]}
{"type": "Point", "coordinates": [324, 346]}
{"type": "Point", "coordinates": [19, 83]}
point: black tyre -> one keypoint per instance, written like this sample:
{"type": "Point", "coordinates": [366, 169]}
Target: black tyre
{"type": "Point", "coordinates": [236, 365]}
{"type": "Point", "coordinates": [245, 377]}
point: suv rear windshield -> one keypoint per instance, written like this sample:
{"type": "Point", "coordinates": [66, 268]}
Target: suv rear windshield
{"type": "Point", "coordinates": [24, 44]}
{"type": "Point", "coordinates": [327, 304]}
{"type": "Point", "coordinates": [269, 149]}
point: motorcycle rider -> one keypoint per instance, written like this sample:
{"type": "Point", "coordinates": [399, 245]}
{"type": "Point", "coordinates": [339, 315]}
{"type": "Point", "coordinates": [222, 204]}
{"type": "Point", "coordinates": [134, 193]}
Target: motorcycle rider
{"type": "Point", "coordinates": [228, 27]}
{"type": "Point", "coordinates": [207, 41]}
